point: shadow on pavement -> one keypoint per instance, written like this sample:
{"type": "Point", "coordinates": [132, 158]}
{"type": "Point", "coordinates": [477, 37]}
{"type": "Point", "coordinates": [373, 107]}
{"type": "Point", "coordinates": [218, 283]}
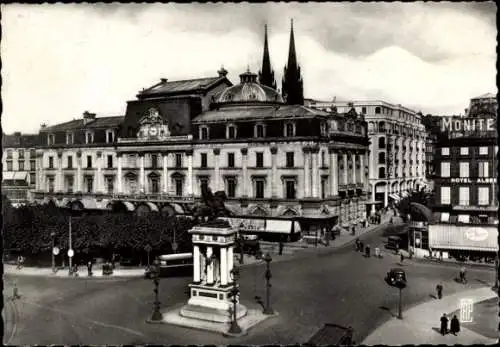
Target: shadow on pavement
{"type": "Point", "coordinates": [482, 282]}
{"type": "Point", "coordinates": [388, 310]}
{"type": "Point", "coordinates": [437, 330]}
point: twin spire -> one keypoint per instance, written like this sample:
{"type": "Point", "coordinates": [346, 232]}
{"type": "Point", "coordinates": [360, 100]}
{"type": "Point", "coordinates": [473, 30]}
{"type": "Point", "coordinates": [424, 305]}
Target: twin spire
{"type": "Point", "coordinates": [292, 84]}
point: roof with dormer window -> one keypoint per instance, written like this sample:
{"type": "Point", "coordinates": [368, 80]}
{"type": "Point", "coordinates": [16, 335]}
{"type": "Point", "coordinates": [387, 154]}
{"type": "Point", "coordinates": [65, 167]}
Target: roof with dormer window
{"type": "Point", "coordinates": [97, 123]}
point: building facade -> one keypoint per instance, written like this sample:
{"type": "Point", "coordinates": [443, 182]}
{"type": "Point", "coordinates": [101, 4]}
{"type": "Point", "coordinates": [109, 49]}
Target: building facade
{"type": "Point", "coordinates": [270, 158]}
{"type": "Point", "coordinates": [397, 147]}
{"type": "Point", "coordinates": [19, 166]}
{"type": "Point", "coordinates": [466, 204]}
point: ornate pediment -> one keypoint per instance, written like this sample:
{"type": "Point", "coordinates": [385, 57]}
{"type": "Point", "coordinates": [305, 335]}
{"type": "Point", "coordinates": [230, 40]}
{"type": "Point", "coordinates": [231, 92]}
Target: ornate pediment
{"type": "Point", "coordinates": [153, 126]}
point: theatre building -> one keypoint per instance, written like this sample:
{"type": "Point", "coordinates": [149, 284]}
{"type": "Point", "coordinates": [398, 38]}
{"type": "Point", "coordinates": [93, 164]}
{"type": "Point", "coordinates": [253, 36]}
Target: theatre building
{"type": "Point", "coordinates": [465, 222]}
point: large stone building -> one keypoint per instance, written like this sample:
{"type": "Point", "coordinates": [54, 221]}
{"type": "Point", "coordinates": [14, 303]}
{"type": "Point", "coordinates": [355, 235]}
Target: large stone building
{"type": "Point", "coordinates": [270, 158]}
{"type": "Point", "coordinates": [466, 205]}
{"type": "Point", "coordinates": [19, 166]}
{"type": "Point", "coordinates": [397, 147]}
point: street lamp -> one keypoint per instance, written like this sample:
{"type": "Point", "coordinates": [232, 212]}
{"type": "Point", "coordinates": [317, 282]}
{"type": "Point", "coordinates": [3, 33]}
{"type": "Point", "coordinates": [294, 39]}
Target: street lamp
{"type": "Point", "coordinates": [400, 306]}
{"type": "Point", "coordinates": [155, 275]}
{"type": "Point", "coordinates": [70, 248]}
{"type": "Point", "coordinates": [268, 310]}
{"type": "Point", "coordinates": [496, 272]}
{"type": "Point", "coordinates": [235, 274]}
{"type": "Point", "coordinates": [53, 235]}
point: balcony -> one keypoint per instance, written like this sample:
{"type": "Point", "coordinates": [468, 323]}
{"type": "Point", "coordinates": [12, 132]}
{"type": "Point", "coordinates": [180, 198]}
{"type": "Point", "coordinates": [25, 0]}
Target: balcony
{"type": "Point", "coordinates": [115, 196]}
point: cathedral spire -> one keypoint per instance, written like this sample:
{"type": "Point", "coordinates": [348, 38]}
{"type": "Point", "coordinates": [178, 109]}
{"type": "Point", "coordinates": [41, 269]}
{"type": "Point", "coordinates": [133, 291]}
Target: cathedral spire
{"type": "Point", "coordinates": [292, 85]}
{"type": "Point", "coordinates": [266, 75]}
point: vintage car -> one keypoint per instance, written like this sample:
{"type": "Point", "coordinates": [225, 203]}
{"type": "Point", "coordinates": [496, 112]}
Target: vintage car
{"type": "Point", "coordinates": [395, 275]}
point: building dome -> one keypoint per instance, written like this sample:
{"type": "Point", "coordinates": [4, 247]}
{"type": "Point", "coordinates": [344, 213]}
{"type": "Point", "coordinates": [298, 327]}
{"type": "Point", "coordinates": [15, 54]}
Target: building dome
{"type": "Point", "coordinates": [249, 90]}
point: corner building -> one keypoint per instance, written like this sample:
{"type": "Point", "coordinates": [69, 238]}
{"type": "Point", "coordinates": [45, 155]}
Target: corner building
{"type": "Point", "coordinates": [465, 222]}
{"type": "Point", "coordinates": [397, 148]}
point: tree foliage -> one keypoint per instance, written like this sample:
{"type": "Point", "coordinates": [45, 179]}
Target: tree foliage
{"type": "Point", "coordinates": [30, 229]}
{"type": "Point", "coordinates": [422, 197]}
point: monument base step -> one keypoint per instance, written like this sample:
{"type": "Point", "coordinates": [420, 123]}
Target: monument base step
{"type": "Point", "coordinates": [212, 314]}
{"type": "Point", "coordinates": [252, 317]}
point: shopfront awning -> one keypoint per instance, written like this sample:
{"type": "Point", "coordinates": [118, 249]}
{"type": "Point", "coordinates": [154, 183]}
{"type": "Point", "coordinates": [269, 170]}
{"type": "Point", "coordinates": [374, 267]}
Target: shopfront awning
{"type": "Point", "coordinates": [471, 238]}
{"type": "Point", "coordinates": [395, 197]}
{"type": "Point", "coordinates": [404, 194]}
{"type": "Point", "coordinates": [373, 202]}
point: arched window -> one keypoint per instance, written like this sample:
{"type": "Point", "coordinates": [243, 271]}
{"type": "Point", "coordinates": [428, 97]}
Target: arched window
{"type": "Point", "coordinates": [381, 142]}
{"type": "Point", "coordinates": [381, 172]}
{"type": "Point", "coordinates": [381, 158]}
{"type": "Point", "coordinates": [377, 110]}
{"type": "Point", "coordinates": [259, 130]}
{"type": "Point", "coordinates": [381, 127]}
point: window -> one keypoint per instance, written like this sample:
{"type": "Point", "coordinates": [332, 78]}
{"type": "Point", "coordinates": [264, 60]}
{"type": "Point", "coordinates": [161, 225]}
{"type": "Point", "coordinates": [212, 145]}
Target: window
{"type": "Point", "coordinates": [70, 162]}
{"type": "Point", "coordinates": [178, 186]}
{"type": "Point", "coordinates": [110, 184]}
{"type": "Point", "coordinates": [9, 166]}
{"type": "Point", "coordinates": [289, 130]}
{"type": "Point", "coordinates": [259, 130]}
{"type": "Point", "coordinates": [322, 128]}
{"type": "Point", "coordinates": [377, 110]}
{"type": "Point", "coordinates": [445, 151]}
{"type": "Point", "coordinates": [32, 153]}
{"type": "Point", "coordinates": [32, 178]}
{"type": "Point", "coordinates": [464, 169]}
{"type": "Point", "coordinates": [154, 161]}
{"type": "Point", "coordinates": [445, 169]}
{"type": "Point", "coordinates": [89, 161]}
{"type": "Point", "coordinates": [51, 139]}
{"type": "Point", "coordinates": [204, 133]}
{"type": "Point", "coordinates": [110, 136]}
{"type": "Point", "coordinates": [203, 157]}
{"type": "Point", "coordinates": [69, 184]}
{"type": "Point", "coordinates": [464, 150]}
{"type": "Point", "coordinates": [381, 142]}
{"type": "Point", "coordinates": [483, 196]}
{"type": "Point", "coordinates": [324, 183]}
{"type": "Point", "coordinates": [203, 184]}
{"type": "Point", "coordinates": [483, 150]}
{"type": "Point", "coordinates": [155, 186]}
{"type": "Point", "coordinates": [50, 183]}
{"type": "Point", "coordinates": [231, 187]}
{"type": "Point", "coordinates": [69, 138]}
{"type": "Point", "coordinates": [20, 153]}
{"type": "Point", "coordinates": [363, 110]}
{"type": "Point", "coordinates": [178, 160]}
{"type": "Point", "coordinates": [231, 132]}
{"type": "Point", "coordinates": [89, 137]}
{"type": "Point", "coordinates": [381, 158]}
{"type": "Point", "coordinates": [230, 160]}
{"type": "Point", "coordinates": [259, 159]}
{"type": "Point", "coordinates": [32, 165]}
{"type": "Point", "coordinates": [290, 189]}
{"type": "Point", "coordinates": [9, 154]}
{"type": "Point", "coordinates": [445, 195]}
{"type": "Point", "coordinates": [464, 218]}
{"type": "Point", "coordinates": [445, 217]}
{"type": "Point", "coordinates": [463, 196]}
{"type": "Point", "coordinates": [21, 165]}
{"type": "Point", "coordinates": [289, 159]}
{"type": "Point", "coordinates": [381, 172]}
{"type": "Point", "coordinates": [259, 189]}
{"type": "Point", "coordinates": [90, 184]}
{"type": "Point", "coordinates": [51, 162]}
{"type": "Point", "coordinates": [110, 161]}
{"type": "Point", "coordinates": [483, 169]}
{"type": "Point", "coordinates": [323, 159]}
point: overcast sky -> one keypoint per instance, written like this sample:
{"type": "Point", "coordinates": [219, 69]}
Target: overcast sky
{"type": "Point", "coordinates": [60, 60]}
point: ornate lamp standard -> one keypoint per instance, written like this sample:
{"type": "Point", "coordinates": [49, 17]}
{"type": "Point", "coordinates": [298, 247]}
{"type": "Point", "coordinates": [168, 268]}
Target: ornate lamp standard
{"type": "Point", "coordinates": [268, 310]}
{"type": "Point", "coordinates": [235, 274]}
{"type": "Point", "coordinates": [155, 275]}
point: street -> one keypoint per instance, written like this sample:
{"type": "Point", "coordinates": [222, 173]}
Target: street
{"type": "Point", "coordinates": [339, 286]}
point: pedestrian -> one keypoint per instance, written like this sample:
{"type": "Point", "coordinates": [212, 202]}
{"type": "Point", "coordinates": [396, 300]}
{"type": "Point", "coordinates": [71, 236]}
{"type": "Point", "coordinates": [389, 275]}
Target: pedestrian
{"type": "Point", "coordinates": [454, 325]}
{"type": "Point", "coordinates": [367, 250]}
{"type": "Point", "coordinates": [439, 290]}
{"type": "Point", "coordinates": [361, 246]}
{"type": "Point", "coordinates": [377, 252]}
{"type": "Point", "coordinates": [444, 324]}
{"type": "Point", "coordinates": [20, 262]}
{"type": "Point", "coordinates": [281, 248]}
{"type": "Point", "coordinates": [462, 275]}
{"type": "Point", "coordinates": [89, 268]}
{"type": "Point", "coordinates": [402, 257]}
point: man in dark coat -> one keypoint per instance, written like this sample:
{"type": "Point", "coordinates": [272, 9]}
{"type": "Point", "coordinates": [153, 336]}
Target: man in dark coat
{"type": "Point", "coordinates": [454, 325]}
{"type": "Point", "coordinates": [439, 289]}
{"type": "Point", "coordinates": [444, 324]}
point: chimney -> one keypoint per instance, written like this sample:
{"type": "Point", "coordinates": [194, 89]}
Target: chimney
{"type": "Point", "coordinates": [43, 126]}
{"type": "Point", "coordinates": [163, 80]}
{"type": "Point", "coordinates": [466, 111]}
{"type": "Point", "coordinates": [88, 117]}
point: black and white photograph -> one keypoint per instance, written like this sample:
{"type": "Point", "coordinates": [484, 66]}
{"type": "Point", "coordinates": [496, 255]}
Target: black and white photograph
{"type": "Point", "coordinates": [250, 173]}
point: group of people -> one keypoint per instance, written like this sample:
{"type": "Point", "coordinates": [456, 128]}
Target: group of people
{"type": "Point", "coordinates": [454, 325]}
{"type": "Point", "coordinates": [360, 247]}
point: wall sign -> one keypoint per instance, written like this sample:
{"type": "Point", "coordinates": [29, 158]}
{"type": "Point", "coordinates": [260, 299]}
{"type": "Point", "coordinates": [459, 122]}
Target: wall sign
{"type": "Point", "coordinates": [476, 234]}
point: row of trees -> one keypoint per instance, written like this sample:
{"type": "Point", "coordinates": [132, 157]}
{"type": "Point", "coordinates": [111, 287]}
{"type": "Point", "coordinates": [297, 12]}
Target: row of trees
{"type": "Point", "coordinates": [31, 229]}
{"type": "Point", "coordinates": [407, 206]}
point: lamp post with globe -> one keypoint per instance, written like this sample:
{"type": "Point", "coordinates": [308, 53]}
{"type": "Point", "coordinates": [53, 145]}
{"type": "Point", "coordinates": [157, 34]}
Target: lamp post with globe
{"type": "Point", "coordinates": [155, 275]}
{"type": "Point", "coordinates": [235, 274]}
{"type": "Point", "coordinates": [268, 310]}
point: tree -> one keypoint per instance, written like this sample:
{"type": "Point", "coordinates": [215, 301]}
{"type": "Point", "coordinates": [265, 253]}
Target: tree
{"type": "Point", "coordinates": [421, 197]}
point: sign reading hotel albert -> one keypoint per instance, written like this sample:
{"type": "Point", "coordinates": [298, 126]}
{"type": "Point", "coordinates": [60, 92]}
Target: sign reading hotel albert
{"type": "Point", "coordinates": [474, 180]}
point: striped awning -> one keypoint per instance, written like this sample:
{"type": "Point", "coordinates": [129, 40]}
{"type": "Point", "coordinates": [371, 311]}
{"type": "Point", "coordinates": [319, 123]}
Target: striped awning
{"type": "Point", "coordinates": [463, 237]}
{"type": "Point", "coordinates": [14, 176]}
{"type": "Point", "coordinates": [405, 194]}
{"type": "Point", "coordinates": [395, 196]}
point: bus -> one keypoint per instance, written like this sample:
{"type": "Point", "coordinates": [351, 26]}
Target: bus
{"type": "Point", "coordinates": [266, 228]}
{"type": "Point", "coordinates": [174, 265]}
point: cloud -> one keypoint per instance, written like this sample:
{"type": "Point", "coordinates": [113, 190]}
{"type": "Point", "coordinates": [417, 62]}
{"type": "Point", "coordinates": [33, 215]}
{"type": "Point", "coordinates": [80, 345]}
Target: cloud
{"type": "Point", "coordinates": [59, 60]}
